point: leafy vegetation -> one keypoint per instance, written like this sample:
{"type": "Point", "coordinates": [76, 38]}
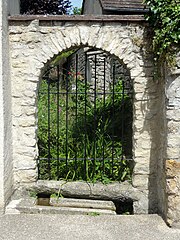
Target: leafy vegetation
{"type": "Point", "coordinates": [164, 17]}
{"type": "Point", "coordinates": [89, 145]}
{"type": "Point", "coordinates": [76, 11]}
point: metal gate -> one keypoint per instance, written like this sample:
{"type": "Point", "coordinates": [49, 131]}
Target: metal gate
{"type": "Point", "coordinates": [85, 119]}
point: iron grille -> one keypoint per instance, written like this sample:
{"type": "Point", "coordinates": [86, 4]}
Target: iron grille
{"type": "Point", "coordinates": [85, 119]}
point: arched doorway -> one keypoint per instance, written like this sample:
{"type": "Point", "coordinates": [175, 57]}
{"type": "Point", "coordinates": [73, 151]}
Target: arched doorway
{"type": "Point", "coordinates": [85, 118]}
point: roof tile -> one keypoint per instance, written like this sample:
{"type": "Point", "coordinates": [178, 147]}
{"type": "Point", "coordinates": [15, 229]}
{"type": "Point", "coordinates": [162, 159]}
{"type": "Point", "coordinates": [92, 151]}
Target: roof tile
{"type": "Point", "coordinates": [117, 4]}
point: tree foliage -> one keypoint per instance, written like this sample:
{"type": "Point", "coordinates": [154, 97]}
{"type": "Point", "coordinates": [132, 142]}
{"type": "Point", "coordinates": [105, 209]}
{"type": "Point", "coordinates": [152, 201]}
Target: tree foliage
{"type": "Point", "coordinates": [77, 11]}
{"type": "Point", "coordinates": [164, 17]}
{"type": "Point", "coordinates": [55, 7]}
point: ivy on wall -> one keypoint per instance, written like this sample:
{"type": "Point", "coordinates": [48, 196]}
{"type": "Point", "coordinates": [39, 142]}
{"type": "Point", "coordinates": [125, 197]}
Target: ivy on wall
{"type": "Point", "coordinates": [164, 17]}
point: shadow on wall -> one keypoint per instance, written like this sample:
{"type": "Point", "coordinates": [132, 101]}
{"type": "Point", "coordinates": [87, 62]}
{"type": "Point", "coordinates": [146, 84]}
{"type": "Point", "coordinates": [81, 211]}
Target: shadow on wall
{"type": "Point", "coordinates": [153, 109]}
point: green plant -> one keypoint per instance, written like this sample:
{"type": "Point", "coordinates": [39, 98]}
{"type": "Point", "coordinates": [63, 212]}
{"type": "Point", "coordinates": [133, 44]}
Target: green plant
{"type": "Point", "coordinates": [93, 214]}
{"type": "Point", "coordinates": [100, 157]}
{"type": "Point", "coordinates": [76, 11]}
{"type": "Point", "coordinates": [54, 195]}
{"type": "Point", "coordinates": [164, 17]}
{"type": "Point", "coordinates": [33, 194]}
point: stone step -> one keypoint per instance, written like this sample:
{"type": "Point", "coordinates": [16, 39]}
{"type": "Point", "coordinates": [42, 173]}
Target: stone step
{"type": "Point", "coordinates": [83, 203]}
{"type": "Point", "coordinates": [62, 206]}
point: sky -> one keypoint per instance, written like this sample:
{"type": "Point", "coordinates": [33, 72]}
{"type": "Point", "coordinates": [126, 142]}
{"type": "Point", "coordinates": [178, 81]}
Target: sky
{"type": "Point", "coordinates": [76, 3]}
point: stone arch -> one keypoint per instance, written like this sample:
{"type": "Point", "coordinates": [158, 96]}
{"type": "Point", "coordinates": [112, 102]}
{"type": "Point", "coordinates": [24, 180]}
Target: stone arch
{"type": "Point", "coordinates": [104, 38]}
{"type": "Point", "coordinates": [35, 45]}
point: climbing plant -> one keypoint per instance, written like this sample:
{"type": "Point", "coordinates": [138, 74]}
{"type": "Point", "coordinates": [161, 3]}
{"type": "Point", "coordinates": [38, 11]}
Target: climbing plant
{"type": "Point", "coordinates": [164, 17]}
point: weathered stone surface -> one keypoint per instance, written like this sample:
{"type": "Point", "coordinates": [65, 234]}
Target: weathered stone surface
{"type": "Point", "coordinates": [25, 176]}
{"type": "Point", "coordinates": [112, 191]}
{"type": "Point", "coordinates": [82, 203]}
{"type": "Point", "coordinates": [142, 205]}
{"type": "Point", "coordinates": [6, 165]}
{"type": "Point", "coordinates": [140, 180]}
{"type": "Point", "coordinates": [28, 205]}
{"type": "Point", "coordinates": [23, 163]}
{"type": "Point", "coordinates": [173, 191]}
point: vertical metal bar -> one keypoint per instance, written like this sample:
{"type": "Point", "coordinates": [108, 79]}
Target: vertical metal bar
{"type": "Point", "coordinates": [49, 130]}
{"type": "Point", "coordinates": [113, 117]}
{"type": "Point", "coordinates": [85, 120]}
{"type": "Point", "coordinates": [38, 159]}
{"type": "Point", "coordinates": [95, 117]}
{"type": "Point", "coordinates": [76, 113]}
{"type": "Point", "coordinates": [57, 123]}
{"type": "Point", "coordinates": [103, 117]}
{"type": "Point", "coordinates": [38, 165]}
{"type": "Point", "coordinates": [67, 125]}
{"type": "Point", "coordinates": [122, 121]}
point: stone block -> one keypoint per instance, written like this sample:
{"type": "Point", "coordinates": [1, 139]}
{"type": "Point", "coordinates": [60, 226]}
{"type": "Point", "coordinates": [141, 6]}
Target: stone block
{"type": "Point", "coordinates": [74, 35]}
{"type": "Point", "coordinates": [30, 38]}
{"type": "Point", "coordinates": [25, 176]}
{"type": "Point", "coordinates": [141, 168]}
{"type": "Point", "coordinates": [173, 141]}
{"type": "Point", "coordinates": [23, 162]}
{"type": "Point", "coordinates": [142, 143]}
{"type": "Point", "coordinates": [30, 152]}
{"type": "Point", "coordinates": [47, 50]}
{"type": "Point", "coordinates": [84, 34]}
{"type": "Point", "coordinates": [28, 101]}
{"type": "Point", "coordinates": [173, 114]}
{"type": "Point", "coordinates": [173, 191]}
{"type": "Point", "coordinates": [173, 127]}
{"type": "Point", "coordinates": [142, 205]}
{"type": "Point", "coordinates": [95, 31]}
{"type": "Point", "coordinates": [172, 168]}
{"type": "Point", "coordinates": [112, 191]}
{"type": "Point", "coordinates": [27, 121]}
{"type": "Point", "coordinates": [82, 203]}
{"type": "Point", "coordinates": [173, 152]}
{"type": "Point", "coordinates": [140, 181]}
{"type": "Point", "coordinates": [173, 214]}
{"type": "Point", "coordinates": [56, 42]}
{"type": "Point", "coordinates": [60, 38]}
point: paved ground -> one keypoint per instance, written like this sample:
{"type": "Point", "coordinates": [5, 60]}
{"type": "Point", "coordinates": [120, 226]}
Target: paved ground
{"type": "Point", "coordinates": [78, 227]}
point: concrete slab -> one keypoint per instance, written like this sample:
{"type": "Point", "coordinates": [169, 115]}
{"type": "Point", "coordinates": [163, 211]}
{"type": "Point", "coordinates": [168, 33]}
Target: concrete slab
{"type": "Point", "coordinates": [80, 227]}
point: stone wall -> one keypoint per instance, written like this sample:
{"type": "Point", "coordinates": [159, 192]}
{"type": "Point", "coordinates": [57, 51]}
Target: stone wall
{"type": "Point", "coordinates": [5, 112]}
{"type": "Point", "coordinates": [173, 142]}
{"type": "Point", "coordinates": [156, 127]}
{"type": "Point", "coordinates": [34, 43]}
{"type": "Point", "coordinates": [102, 68]}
